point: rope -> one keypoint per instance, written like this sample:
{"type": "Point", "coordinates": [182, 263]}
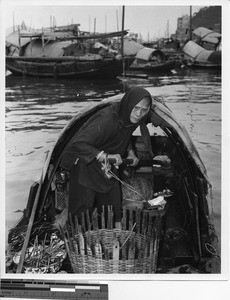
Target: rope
{"type": "Point", "coordinates": [126, 185]}
{"type": "Point", "coordinates": [212, 250]}
{"type": "Point", "coordinates": [109, 172]}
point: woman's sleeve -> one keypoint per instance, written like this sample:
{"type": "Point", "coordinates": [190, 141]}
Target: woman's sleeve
{"type": "Point", "coordinates": [88, 141]}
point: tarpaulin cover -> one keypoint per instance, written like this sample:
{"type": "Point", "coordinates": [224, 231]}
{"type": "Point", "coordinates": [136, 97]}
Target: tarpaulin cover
{"type": "Point", "coordinates": [13, 38]}
{"type": "Point", "coordinates": [131, 47]}
{"type": "Point", "coordinates": [52, 49]}
{"type": "Point", "coordinates": [207, 35]}
{"type": "Point", "coordinates": [147, 53]}
{"type": "Point", "coordinates": [198, 53]}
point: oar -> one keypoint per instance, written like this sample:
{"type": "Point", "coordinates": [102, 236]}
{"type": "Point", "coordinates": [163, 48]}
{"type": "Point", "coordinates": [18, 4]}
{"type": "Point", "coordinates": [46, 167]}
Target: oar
{"type": "Point", "coordinates": [144, 162]}
{"type": "Point", "coordinates": [29, 228]}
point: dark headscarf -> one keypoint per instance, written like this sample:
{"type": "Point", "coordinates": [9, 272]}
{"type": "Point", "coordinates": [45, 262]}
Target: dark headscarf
{"type": "Point", "coordinates": [131, 98]}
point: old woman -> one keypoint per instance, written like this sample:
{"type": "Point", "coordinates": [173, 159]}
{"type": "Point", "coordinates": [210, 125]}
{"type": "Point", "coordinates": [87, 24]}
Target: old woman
{"type": "Point", "coordinates": [107, 134]}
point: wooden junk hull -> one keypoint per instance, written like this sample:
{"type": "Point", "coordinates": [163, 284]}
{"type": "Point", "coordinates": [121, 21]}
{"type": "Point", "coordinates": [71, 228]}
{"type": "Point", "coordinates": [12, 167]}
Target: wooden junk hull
{"type": "Point", "coordinates": [65, 67]}
{"type": "Point", "coordinates": [186, 238]}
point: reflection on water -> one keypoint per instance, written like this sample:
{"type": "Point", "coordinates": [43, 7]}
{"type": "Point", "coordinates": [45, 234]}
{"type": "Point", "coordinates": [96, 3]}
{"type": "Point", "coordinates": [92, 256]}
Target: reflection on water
{"type": "Point", "coordinates": [37, 110]}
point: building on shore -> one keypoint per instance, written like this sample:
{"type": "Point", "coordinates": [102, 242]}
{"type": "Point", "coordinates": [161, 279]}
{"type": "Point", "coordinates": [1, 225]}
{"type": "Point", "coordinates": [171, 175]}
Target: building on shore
{"type": "Point", "coordinates": [182, 31]}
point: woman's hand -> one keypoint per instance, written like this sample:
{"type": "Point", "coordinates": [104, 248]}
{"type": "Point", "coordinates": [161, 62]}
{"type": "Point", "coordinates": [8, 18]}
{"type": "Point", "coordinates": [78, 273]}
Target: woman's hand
{"type": "Point", "coordinates": [117, 157]}
{"type": "Point", "coordinates": [102, 156]}
{"type": "Point", "coordinates": [131, 155]}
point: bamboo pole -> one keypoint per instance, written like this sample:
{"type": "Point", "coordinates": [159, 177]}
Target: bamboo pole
{"type": "Point", "coordinates": [32, 215]}
{"type": "Point", "coordinates": [29, 228]}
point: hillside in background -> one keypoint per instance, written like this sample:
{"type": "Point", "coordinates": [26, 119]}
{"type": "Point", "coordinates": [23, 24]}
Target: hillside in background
{"type": "Point", "coordinates": [208, 17]}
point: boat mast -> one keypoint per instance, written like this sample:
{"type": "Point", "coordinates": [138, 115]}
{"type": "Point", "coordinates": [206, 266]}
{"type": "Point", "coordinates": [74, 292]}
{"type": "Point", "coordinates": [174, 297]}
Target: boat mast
{"type": "Point", "coordinates": [167, 30]}
{"type": "Point", "coordinates": [19, 40]}
{"type": "Point", "coordinates": [105, 23]}
{"type": "Point", "coordinates": [43, 42]}
{"type": "Point", "coordinates": [117, 20]}
{"type": "Point", "coordinates": [122, 39]}
{"type": "Point", "coordinates": [94, 28]}
{"type": "Point", "coordinates": [190, 24]}
{"type": "Point", "coordinates": [89, 24]}
{"type": "Point", "coordinates": [30, 46]}
{"type": "Point", "coordinates": [13, 23]}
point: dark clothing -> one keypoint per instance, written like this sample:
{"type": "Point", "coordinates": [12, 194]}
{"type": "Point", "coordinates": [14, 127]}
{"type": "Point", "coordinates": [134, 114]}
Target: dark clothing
{"type": "Point", "coordinates": [102, 131]}
{"type": "Point", "coordinates": [109, 130]}
{"type": "Point", "coordinates": [85, 198]}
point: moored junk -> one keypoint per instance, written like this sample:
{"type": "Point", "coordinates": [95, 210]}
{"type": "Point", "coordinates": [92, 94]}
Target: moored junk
{"type": "Point", "coordinates": [62, 54]}
{"type": "Point", "coordinates": [204, 51]}
{"type": "Point", "coordinates": [206, 36]}
{"type": "Point", "coordinates": [197, 56]}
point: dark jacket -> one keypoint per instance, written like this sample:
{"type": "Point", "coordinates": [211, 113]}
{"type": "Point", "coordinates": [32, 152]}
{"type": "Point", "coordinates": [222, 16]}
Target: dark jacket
{"type": "Point", "coordinates": [109, 130]}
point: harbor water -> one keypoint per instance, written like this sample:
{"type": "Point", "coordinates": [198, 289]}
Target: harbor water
{"type": "Point", "coordinates": [38, 109]}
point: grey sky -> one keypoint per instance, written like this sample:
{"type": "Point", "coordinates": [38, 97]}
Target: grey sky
{"type": "Point", "coordinates": [149, 18]}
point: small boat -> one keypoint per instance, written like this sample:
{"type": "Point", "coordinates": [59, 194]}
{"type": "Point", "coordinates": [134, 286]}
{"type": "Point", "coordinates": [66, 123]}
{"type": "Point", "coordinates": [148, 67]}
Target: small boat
{"type": "Point", "coordinates": [196, 56]}
{"type": "Point", "coordinates": [205, 35]}
{"type": "Point", "coordinates": [204, 51]}
{"type": "Point", "coordinates": [149, 59]}
{"type": "Point", "coordinates": [61, 54]}
{"type": "Point", "coordinates": [172, 229]}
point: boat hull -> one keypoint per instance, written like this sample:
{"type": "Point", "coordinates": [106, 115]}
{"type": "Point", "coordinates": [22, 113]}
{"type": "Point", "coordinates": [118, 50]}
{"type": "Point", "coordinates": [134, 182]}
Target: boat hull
{"type": "Point", "coordinates": [153, 67]}
{"type": "Point", "coordinates": [187, 217]}
{"type": "Point", "coordinates": [200, 65]}
{"type": "Point", "coordinates": [65, 67]}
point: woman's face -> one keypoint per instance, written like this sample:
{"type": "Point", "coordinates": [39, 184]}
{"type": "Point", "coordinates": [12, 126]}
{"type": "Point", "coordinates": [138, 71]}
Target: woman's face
{"type": "Point", "coordinates": [140, 110]}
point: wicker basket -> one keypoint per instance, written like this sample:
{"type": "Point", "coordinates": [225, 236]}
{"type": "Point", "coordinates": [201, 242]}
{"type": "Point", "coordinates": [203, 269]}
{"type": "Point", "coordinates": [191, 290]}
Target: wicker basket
{"type": "Point", "coordinates": [112, 251]}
